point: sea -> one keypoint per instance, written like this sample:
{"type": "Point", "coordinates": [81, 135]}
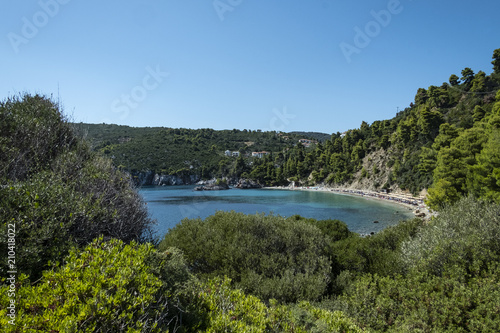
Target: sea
{"type": "Point", "coordinates": [169, 205]}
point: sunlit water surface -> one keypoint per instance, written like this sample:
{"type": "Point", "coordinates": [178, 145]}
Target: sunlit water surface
{"type": "Point", "coordinates": [170, 204]}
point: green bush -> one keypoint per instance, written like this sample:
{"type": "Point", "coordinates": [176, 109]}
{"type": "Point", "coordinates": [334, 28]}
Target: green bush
{"type": "Point", "coordinates": [425, 303]}
{"type": "Point", "coordinates": [335, 230]}
{"type": "Point", "coordinates": [267, 256]}
{"type": "Point", "coordinates": [447, 280]}
{"type": "Point", "coordinates": [230, 310]}
{"type": "Point", "coordinates": [32, 133]}
{"type": "Point", "coordinates": [378, 254]}
{"type": "Point", "coordinates": [108, 287]}
{"type": "Point", "coordinates": [464, 236]}
{"type": "Point", "coordinates": [114, 287]}
{"type": "Point", "coordinates": [56, 191]}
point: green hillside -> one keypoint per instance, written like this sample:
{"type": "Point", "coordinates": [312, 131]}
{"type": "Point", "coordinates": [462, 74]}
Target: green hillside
{"type": "Point", "coordinates": [180, 151]}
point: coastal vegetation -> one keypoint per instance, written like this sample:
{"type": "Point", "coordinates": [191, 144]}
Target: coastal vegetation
{"type": "Point", "coordinates": [85, 259]}
{"type": "Point", "coordinates": [78, 253]}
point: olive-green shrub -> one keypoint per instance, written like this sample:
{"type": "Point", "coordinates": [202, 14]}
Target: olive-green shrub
{"type": "Point", "coordinates": [114, 287]}
{"type": "Point", "coordinates": [335, 229]}
{"type": "Point", "coordinates": [230, 310]}
{"type": "Point", "coordinates": [108, 287]}
{"type": "Point", "coordinates": [33, 131]}
{"type": "Point", "coordinates": [267, 256]}
{"type": "Point", "coordinates": [421, 302]}
{"type": "Point", "coordinates": [377, 254]}
{"type": "Point", "coordinates": [464, 236]}
{"type": "Point", "coordinates": [448, 281]}
{"type": "Point", "coordinates": [55, 192]}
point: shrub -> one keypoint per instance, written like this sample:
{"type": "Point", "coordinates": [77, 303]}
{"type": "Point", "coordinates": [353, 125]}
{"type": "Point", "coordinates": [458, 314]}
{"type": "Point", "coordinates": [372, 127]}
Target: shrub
{"type": "Point", "coordinates": [230, 310]}
{"type": "Point", "coordinates": [57, 192]}
{"type": "Point", "coordinates": [450, 275]}
{"type": "Point", "coordinates": [335, 230]}
{"type": "Point", "coordinates": [463, 236]}
{"type": "Point", "coordinates": [33, 132]}
{"type": "Point", "coordinates": [108, 287]}
{"type": "Point", "coordinates": [267, 256]}
{"type": "Point", "coordinates": [378, 254]}
{"type": "Point", "coordinates": [114, 287]}
{"type": "Point", "coordinates": [424, 303]}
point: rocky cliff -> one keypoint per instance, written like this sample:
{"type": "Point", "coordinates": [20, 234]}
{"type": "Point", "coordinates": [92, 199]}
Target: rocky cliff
{"type": "Point", "coordinates": [145, 178]}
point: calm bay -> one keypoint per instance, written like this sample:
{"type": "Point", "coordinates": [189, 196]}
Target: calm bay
{"type": "Point", "coordinates": [170, 204]}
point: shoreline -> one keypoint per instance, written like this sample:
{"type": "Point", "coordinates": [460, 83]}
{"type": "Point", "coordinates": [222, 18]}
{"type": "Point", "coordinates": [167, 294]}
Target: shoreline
{"type": "Point", "coordinates": [416, 205]}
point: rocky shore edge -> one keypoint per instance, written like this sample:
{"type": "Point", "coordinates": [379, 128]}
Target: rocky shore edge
{"type": "Point", "coordinates": [213, 185]}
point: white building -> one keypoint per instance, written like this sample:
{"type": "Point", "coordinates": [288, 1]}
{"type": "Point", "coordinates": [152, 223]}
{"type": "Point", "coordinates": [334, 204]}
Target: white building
{"type": "Point", "coordinates": [232, 153]}
{"type": "Point", "coordinates": [260, 154]}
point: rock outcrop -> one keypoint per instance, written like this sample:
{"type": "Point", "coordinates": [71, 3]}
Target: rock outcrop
{"type": "Point", "coordinates": [212, 187]}
{"type": "Point", "coordinates": [148, 177]}
{"type": "Point", "coordinates": [247, 184]}
{"type": "Point", "coordinates": [145, 178]}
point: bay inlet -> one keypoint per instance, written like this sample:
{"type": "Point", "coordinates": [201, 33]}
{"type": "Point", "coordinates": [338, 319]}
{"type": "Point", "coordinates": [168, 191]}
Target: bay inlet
{"type": "Point", "coordinates": [169, 205]}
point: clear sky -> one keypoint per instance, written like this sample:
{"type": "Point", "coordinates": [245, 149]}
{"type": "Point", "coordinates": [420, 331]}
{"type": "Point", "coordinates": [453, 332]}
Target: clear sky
{"type": "Point", "coordinates": [317, 65]}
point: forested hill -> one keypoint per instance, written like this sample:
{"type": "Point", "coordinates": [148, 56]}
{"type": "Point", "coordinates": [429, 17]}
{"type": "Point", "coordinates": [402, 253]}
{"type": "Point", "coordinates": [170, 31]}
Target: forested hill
{"type": "Point", "coordinates": [446, 141]}
{"type": "Point", "coordinates": [318, 136]}
{"type": "Point", "coordinates": [202, 152]}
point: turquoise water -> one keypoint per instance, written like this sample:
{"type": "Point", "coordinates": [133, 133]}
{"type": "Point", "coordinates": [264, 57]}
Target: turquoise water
{"type": "Point", "coordinates": [170, 204]}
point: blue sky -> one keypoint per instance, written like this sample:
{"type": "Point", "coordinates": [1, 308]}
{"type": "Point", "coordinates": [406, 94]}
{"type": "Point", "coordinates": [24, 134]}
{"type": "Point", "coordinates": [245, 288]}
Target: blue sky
{"type": "Point", "coordinates": [318, 65]}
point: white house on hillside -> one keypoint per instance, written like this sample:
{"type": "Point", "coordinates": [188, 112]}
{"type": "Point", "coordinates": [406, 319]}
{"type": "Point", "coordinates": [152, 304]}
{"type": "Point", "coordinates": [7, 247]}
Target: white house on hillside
{"type": "Point", "coordinates": [232, 153]}
{"type": "Point", "coordinates": [260, 154]}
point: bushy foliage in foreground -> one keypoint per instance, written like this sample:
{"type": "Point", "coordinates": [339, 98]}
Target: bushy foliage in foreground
{"type": "Point", "coordinates": [423, 302]}
{"type": "Point", "coordinates": [335, 230]}
{"type": "Point", "coordinates": [449, 282]}
{"type": "Point", "coordinates": [55, 192]}
{"type": "Point", "coordinates": [114, 287]}
{"type": "Point", "coordinates": [230, 310]}
{"type": "Point", "coordinates": [464, 237]}
{"type": "Point", "coordinates": [267, 256]}
{"type": "Point", "coordinates": [107, 287]}
{"type": "Point", "coordinates": [288, 259]}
